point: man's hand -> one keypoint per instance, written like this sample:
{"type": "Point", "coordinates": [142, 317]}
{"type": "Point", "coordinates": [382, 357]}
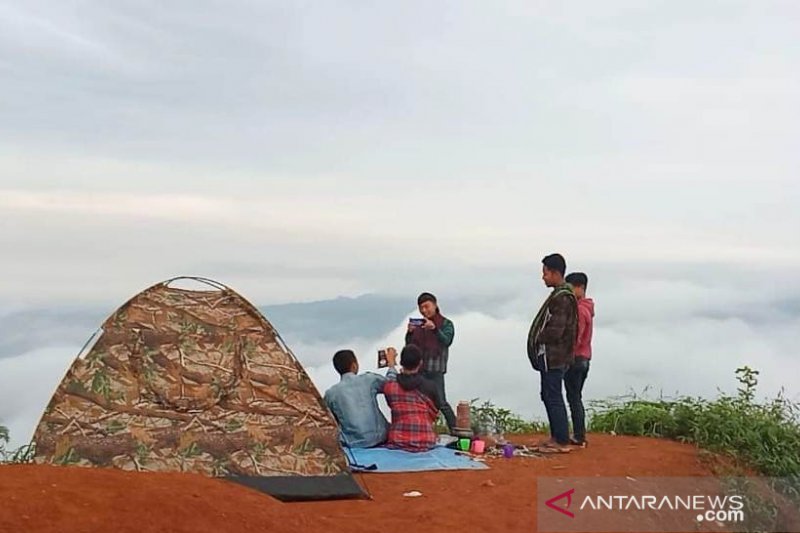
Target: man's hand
{"type": "Point", "coordinates": [411, 327]}
{"type": "Point", "coordinates": [429, 325]}
{"type": "Point", "coordinates": [391, 356]}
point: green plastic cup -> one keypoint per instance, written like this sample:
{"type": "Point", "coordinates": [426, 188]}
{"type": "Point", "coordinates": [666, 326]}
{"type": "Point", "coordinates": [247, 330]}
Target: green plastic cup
{"type": "Point", "coordinates": [463, 445]}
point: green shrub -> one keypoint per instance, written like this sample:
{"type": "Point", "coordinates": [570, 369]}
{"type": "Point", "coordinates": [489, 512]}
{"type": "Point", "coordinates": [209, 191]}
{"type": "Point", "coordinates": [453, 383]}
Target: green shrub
{"type": "Point", "coordinates": [487, 416]}
{"type": "Point", "coordinates": [764, 436]}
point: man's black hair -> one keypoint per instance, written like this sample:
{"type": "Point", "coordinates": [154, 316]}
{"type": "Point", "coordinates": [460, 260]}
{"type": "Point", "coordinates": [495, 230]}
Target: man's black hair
{"type": "Point", "coordinates": [410, 357]}
{"type": "Point", "coordinates": [426, 297]}
{"type": "Point", "coordinates": [577, 279]}
{"type": "Point", "coordinates": [555, 262]}
{"type": "Point", "coordinates": [343, 361]}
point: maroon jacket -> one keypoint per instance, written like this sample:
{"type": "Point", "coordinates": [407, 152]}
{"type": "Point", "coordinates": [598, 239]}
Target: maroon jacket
{"type": "Point", "coordinates": [583, 343]}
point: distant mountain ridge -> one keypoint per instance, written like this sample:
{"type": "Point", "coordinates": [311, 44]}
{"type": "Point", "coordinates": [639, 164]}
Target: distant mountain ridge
{"type": "Point", "coordinates": [326, 321]}
{"type": "Point", "coordinates": [334, 321]}
{"type": "Point", "coordinates": [338, 320]}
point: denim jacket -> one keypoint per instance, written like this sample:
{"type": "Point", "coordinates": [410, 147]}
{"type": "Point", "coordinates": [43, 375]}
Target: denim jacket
{"type": "Point", "coordinates": [354, 403]}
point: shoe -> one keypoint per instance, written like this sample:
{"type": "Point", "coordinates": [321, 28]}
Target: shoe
{"type": "Point", "coordinates": [553, 447]}
{"type": "Point", "coordinates": [578, 443]}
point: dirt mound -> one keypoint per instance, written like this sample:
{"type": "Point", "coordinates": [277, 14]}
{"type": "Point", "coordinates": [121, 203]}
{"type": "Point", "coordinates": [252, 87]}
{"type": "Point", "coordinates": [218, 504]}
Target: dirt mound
{"type": "Point", "coordinates": [502, 499]}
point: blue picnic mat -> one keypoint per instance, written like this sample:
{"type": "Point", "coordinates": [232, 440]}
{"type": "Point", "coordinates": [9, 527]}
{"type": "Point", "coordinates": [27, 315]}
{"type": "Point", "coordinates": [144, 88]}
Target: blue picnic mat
{"type": "Point", "coordinates": [386, 460]}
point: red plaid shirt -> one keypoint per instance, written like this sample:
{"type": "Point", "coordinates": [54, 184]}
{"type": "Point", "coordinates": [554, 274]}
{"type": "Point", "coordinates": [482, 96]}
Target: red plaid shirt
{"type": "Point", "coordinates": [413, 415]}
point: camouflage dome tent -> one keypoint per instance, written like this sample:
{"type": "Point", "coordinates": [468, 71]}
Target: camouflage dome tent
{"type": "Point", "coordinates": [196, 381]}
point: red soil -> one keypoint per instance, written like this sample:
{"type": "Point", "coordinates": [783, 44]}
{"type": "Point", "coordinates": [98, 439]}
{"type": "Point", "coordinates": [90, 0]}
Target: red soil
{"type": "Point", "coordinates": [502, 499]}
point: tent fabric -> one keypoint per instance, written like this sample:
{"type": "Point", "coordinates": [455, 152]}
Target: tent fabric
{"type": "Point", "coordinates": [194, 381]}
{"type": "Point", "coordinates": [387, 460]}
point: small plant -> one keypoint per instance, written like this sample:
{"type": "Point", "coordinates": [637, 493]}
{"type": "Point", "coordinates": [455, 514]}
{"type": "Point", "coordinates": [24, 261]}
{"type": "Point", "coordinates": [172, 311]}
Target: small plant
{"type": "Point", "coordinates": [487, 417]}
{"type": "Point", "coordinates": [3, 440]}
{"type": "Point", "coordinates": [23, 454]}
{"type": "Point", "coordinates": [440, 426]}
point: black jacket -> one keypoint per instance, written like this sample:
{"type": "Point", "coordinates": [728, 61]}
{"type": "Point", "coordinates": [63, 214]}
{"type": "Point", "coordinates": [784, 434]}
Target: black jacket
{"type": "Point", "coordinates": [558, 331]}
{"type": "Point", "coordinates": [418, 382]}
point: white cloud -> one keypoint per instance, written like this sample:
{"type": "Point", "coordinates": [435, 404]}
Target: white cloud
{"type": "Point", "coordinates": [166, 207]}
{"type": "Point", "coordinates": [356, 240]}
{"type": "Point", "coordinates": [27, 382]}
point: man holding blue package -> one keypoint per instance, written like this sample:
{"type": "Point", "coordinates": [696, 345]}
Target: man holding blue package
{"type": "Point", "coordinates": [433, 334]}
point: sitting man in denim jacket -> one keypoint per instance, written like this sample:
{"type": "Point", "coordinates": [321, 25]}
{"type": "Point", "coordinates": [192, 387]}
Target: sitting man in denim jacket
{"type": "Point", "coordinates": [354, 400]}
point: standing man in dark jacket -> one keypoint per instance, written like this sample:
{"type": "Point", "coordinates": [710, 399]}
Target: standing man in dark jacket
{"type": "Point", "coordinates": [434, 338]}
{"type": "Point", "coordinates": [551, 343]}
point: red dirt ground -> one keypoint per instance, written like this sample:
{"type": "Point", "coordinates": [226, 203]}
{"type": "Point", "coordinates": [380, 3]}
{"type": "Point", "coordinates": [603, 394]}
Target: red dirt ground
{"type": "Point", "coordinates": [61, 499]}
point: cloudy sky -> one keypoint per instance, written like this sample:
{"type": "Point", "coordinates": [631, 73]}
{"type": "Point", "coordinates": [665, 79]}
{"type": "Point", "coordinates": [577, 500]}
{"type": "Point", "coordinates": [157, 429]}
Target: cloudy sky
{"type": "Point", "coordinates": [311, 150]}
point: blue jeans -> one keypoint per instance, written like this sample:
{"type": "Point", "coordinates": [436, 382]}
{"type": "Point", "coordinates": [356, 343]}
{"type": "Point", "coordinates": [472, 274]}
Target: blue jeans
{"type": "Point", "coordinates": [553, 399]}
{"type": "Point", "coordinates": [573, 382]}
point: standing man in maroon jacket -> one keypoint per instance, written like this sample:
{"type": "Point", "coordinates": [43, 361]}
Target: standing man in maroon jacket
{"type": "Point", "coordinates": [434, 338]}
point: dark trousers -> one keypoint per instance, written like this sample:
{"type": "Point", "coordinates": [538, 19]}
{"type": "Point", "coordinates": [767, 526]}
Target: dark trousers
{"type": "Point", "coordinates": [444, 407]}
{"type": "Point", "coordinates": [553, 399]}
{"type": "Point", "coordinates": [573, 382]}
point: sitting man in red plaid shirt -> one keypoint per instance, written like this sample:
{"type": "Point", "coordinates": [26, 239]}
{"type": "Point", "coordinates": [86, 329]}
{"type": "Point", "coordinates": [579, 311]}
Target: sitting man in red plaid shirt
{"type": "Point", "coordinates": [413, 400]}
